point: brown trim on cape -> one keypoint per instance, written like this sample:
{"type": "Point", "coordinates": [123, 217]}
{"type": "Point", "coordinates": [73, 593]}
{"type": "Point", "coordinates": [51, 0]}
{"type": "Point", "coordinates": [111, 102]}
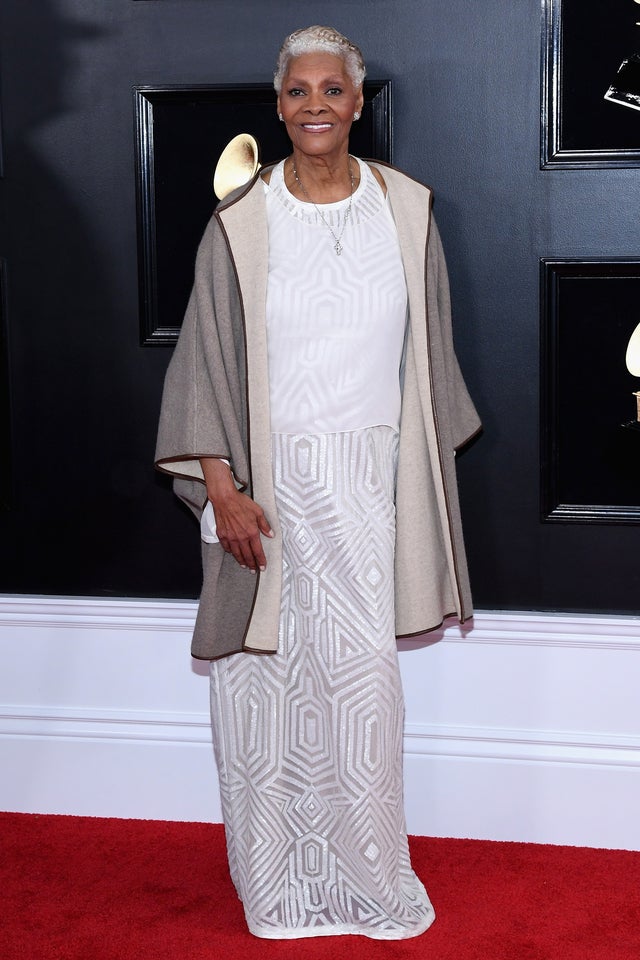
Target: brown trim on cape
{"type": "Point", "coordinates": [250, 650]}
{"type": "Point", "coordinates": [159, 466]}
{"type": "Point", "coordinates": [419, 633]}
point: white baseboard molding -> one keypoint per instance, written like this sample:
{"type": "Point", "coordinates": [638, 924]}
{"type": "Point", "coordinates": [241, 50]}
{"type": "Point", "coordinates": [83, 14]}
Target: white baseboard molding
{"type": "Point", "coordinates": [519, 727]}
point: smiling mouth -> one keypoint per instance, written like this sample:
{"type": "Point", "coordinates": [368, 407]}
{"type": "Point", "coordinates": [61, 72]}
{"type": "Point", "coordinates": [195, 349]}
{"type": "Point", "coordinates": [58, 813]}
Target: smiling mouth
{"type": "Point", "coordinates": [316, 126]}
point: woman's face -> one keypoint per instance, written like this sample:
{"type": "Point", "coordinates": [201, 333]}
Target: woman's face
{"type": "Point", "coordinates": [317, 102]}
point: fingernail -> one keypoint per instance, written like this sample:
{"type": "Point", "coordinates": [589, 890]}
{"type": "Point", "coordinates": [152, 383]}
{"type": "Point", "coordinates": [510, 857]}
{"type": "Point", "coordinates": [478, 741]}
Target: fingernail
{"type": "Point", "coordinates": [262, 569]}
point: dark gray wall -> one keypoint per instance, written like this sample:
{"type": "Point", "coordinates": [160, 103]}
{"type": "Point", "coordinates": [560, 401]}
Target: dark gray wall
{"type": "Point", "coordinates": [86, 514]}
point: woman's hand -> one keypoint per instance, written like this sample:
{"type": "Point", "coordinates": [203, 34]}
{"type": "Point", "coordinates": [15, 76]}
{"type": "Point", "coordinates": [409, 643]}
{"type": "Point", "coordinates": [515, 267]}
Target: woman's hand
{"type": "Point", "coordinates": [239, 519]}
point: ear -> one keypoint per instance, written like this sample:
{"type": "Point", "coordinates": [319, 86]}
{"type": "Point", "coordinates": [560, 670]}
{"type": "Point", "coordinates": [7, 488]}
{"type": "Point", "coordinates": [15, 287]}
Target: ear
{"type": "Point", "coordinates": [360, 100]}
{"type": "Point", "coordinates": [278, 105]}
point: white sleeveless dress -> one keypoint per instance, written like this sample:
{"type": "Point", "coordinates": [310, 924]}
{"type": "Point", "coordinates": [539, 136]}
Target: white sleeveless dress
{"type": "Point", "coordinates": [309, 741]}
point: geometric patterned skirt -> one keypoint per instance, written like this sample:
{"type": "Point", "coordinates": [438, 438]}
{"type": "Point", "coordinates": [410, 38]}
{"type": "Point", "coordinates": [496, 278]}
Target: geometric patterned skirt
{"type": "Point", "coordinates": [308, 741]}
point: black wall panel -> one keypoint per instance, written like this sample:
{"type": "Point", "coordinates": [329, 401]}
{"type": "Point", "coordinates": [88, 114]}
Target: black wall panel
{"type": "Point", "coordinates": [87, 515]}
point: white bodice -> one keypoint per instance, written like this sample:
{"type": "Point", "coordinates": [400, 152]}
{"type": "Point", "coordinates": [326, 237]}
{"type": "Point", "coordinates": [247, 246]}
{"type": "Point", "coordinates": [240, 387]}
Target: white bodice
{"type": "Point", "coordinates": [335, 324]}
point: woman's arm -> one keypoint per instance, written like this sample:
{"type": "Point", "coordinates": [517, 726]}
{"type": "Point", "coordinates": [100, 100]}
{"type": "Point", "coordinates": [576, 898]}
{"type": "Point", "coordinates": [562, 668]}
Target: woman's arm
{"type": "Point", "coordinates": [239, 519]}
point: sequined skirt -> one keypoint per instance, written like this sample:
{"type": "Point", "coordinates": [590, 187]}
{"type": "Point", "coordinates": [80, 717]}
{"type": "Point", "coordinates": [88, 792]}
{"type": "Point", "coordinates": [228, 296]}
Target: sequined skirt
{"type": "Point", "coordinates": [309, 741]}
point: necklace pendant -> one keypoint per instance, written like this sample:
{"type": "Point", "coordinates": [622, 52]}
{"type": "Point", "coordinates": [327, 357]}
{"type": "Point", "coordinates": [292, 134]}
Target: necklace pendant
{"type": "Point", "coordinates": [338, 247]}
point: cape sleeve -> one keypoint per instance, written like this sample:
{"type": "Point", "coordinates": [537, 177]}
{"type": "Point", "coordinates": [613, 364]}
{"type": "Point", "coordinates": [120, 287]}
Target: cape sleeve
{"type": "Point", "coordinates": [203, 411]}
{"type": "Point", "coordinates": [463, 417]}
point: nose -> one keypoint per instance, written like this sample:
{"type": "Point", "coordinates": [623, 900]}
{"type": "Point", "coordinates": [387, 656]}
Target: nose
{"type": "Point", "coordinates": [315, 103]}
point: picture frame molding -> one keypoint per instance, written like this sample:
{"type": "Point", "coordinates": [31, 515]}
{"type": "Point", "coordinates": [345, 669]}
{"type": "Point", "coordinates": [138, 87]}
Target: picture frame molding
{"type": "Point", "coordinates": [553, 153]}
{"type": "Point", "coordinates": [6, 475]}
{"type": "Point", "coordinates": [152, 331]}
{"type": "Point", "coordinates": [553, 510]}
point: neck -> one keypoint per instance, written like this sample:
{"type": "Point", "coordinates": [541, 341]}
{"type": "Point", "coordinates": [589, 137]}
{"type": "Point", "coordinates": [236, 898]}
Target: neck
{"type": "Point", "coordinates": [323, 181]}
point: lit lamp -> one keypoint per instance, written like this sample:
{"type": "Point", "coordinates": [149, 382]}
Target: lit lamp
{"type": "Point", "coordinates": [633, 366]}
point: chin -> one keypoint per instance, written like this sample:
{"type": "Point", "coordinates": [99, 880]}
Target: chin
{"type": "Point", "coordinates": [318, 144]}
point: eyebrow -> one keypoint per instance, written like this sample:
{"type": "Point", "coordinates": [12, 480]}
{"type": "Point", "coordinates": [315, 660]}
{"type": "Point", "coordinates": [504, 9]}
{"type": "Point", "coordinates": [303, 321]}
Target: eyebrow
{"type": "Point", "coordinates": [335, 80]}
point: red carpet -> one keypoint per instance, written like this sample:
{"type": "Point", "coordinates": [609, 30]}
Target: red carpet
{"type": "Point", "coordinates": [77, 888]}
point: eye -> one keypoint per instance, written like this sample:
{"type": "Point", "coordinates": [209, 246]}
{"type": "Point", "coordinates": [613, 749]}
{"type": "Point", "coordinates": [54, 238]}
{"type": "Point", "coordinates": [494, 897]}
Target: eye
{"type": "Point", "coordinates": [334, 91]}
{"type": "Point", "coordinates": [295, 92]}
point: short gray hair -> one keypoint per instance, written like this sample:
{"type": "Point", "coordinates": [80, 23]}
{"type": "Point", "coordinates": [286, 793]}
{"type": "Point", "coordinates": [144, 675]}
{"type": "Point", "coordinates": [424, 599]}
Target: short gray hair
{"type": "Point", "coordinates": [318, 39]}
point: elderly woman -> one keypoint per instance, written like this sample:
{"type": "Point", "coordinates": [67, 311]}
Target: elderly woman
{"type": "Point", "coordinates": [311, 413]}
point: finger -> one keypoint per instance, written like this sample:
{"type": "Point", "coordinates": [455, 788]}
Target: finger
{"type": "Point", "coordinates": [238, 555]}
{"type": "Point", "coordinates": [231, 547]}
{"type": "Point", "coordinates": [263, 525]}
{"type": "Point", "coordinates": [249, 553]}
{"type": "Point", "coordinates": [258, 553]}
{"type": "Point", "coordinates": [240, 546]}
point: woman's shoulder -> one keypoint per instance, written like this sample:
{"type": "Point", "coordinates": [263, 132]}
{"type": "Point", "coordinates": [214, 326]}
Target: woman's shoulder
{"type": "Point", "coordinates": [266, 172]}
{"type": "Point", "coordinates": [377, 173]}
{"type": "Point", "coordinates": [262, 175]}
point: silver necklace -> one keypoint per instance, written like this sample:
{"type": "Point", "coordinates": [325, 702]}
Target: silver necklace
{"type": "Point", "coordinates": [337, 245]}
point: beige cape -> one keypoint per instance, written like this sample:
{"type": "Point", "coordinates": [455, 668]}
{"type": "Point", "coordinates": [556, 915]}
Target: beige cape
{"type": "Point", "coordinates": [216, 403]}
